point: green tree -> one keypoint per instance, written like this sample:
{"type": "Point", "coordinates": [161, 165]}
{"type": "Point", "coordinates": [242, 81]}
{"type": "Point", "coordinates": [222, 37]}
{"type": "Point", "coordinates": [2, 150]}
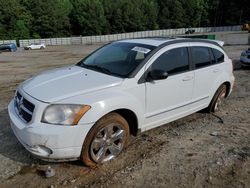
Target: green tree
{"type": "Point", "coordinates": [20, 30]}
{"type": "Point", "coordinates": [128, 15]}
{"type": "Point", "coordinates": [172, 14]}
{"type": "Point", "coordinates": [150, 10]}
{"type": "Point", "coordinates": [55, 18]}
{"type": "Point", "coordinates": [15, 20]}
{"type": "Point", "coordinates": [182, 13]}
{"type": "Point", "coordinates": [88, 17]}
{"type": "Point", "coordinates": [50, 17]}
{"type": "Point", "coordinates": [114, 16]}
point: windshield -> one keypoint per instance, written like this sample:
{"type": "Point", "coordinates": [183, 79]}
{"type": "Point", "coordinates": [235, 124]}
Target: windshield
{"type": "Point", "coordinates": [118, 59]}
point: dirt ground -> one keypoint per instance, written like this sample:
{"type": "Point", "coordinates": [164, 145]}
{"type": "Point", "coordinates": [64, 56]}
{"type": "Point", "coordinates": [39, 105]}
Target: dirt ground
{"type": "Point", "coordinates": [201, 150]}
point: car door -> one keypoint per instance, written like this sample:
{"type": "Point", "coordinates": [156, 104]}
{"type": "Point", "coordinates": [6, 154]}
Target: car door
{"type": "Point", "coordinates": [168, 99]}
{"type": "Point", "coordinates": [207, 71]}
{"type": "Point", "coordinates": [32, 46]}
{"type": "Point", "coordinates": [36, 46]}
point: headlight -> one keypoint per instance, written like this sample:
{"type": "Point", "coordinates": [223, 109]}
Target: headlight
{"type": "Point", "coordinates": [64, 114]}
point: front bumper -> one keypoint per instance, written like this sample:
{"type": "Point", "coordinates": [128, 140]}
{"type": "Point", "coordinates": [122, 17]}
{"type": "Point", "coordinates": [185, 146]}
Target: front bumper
{"type": "Point", "coordinates": [49, 142]}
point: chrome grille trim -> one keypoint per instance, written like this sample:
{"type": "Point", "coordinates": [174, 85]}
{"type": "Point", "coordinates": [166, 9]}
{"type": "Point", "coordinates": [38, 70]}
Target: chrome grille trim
{"type": "Point", "coordinates": [24, 109]}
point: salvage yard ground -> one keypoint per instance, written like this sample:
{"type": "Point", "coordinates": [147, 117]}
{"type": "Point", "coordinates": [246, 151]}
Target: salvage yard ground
{"type": "Point", "coordinates": [201, 150]}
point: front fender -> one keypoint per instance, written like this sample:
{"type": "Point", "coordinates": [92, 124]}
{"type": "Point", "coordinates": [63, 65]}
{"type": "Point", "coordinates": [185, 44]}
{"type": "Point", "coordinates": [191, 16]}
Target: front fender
{"type": "Point", "coordinates": [105, 102]}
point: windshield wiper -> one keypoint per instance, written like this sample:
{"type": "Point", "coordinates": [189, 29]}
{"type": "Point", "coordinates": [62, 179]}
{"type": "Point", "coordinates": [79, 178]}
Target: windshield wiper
{"type": "Point", "coordinates": [98, 68]}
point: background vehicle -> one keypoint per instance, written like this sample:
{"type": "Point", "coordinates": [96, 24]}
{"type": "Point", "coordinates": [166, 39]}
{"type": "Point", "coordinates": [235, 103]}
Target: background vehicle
{"type": "Point", "coordinates": [245, 58]}
{"type": "Point", "coordinates": [89, 110]}
{"type": "Point", "coordinates": [246, 27]}
{"type": "Point", "coordinates": [35, 46]}
{"type": "Point", "coordinates": [190, 31]}
{"type": "Point", "coordinates": [8, 47]}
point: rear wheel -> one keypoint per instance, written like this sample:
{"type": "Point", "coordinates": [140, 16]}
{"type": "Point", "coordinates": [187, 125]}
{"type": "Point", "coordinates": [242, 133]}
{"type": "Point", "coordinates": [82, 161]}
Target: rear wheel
{"type": "Point", "coordinates": [217, 100]}
{"type": "Point", "coordinates": [106, 140]}
{"type": "Point", "coordinates": [41, 47]}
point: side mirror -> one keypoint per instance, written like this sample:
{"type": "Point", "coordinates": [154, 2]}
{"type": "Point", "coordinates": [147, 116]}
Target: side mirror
{"type": "Point", "coordinates": [157, 75]}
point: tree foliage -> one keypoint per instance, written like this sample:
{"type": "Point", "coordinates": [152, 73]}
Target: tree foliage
{"type": "Point", "coordinates": [14, 20]}
{"type": "Point", "coordinates": [87, 17]}
{"type": "Point", "coordinates": [223, 12]}
{"type": "Point", "coordinates": [21, 19]}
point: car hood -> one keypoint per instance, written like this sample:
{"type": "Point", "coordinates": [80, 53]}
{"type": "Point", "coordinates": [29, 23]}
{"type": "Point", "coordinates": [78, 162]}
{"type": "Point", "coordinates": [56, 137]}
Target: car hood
{"type": "Point", "coordinates": [58, 84]}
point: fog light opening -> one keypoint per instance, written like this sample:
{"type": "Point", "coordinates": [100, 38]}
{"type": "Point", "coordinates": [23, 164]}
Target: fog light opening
{"type": "Point", "coordinates": [42, 150]}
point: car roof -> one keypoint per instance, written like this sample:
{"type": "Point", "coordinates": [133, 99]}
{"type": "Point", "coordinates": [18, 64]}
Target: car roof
{"type": "Point", "coordinates": [159, 41]}
{"type": "Point", "coordinates": [153, 41]}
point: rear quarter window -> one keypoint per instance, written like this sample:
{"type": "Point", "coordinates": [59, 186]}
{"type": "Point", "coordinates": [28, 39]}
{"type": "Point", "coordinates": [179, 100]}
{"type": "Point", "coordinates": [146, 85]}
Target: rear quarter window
{"type": "Point", "coordinates": [218, 55]}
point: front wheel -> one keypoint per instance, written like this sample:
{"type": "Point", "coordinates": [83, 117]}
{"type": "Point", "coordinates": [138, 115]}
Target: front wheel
{"type": "Point", "coordinates": [106, 140]}
{"type": "Point", "coordinates": [217, 100]}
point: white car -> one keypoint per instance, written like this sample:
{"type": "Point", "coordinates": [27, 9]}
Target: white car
{"type": "Point", "coordinates": [245, 58]}
{"type": "Point", "coordinates": [35, 46]}
{"type": "Point", "coordinates": [88, 111]}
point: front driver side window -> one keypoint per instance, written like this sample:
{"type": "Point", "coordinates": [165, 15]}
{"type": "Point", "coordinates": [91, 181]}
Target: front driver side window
{"type": "Point", "coordinates": [172, 61]}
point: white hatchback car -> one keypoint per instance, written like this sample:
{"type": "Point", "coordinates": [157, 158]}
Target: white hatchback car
{"type": "Point", "coordinates": [35, 46]}
{"type": "Point", "coordinates": [88, 111]}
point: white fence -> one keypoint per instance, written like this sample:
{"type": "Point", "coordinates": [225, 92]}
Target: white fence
{"type": "Point", "coordinates": [108, 38]}
{"type": "Point", "coordinates": [7, 41]}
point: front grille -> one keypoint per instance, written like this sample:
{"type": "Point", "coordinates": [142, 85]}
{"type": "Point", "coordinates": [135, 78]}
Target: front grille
{"type": "Point", "coordinates": [24, 108]}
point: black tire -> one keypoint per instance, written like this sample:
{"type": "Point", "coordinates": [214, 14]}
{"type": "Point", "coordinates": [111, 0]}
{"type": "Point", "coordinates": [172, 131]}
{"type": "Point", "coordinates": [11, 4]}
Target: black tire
{"type": "Point", "coordinates": [41, 47]}
{"type": "Point", "coordinates": [88, 155]}
{"type": "Point", "coordinates": [215, 104]}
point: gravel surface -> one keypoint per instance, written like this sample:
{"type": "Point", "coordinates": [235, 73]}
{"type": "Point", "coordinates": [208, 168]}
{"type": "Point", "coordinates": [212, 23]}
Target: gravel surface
{"type": "Point", "coordinates": [201, 150]}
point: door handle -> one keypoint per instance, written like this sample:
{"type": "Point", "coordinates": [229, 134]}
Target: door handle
{"type": "Point", "coordinates": [216, 70]}
{"type": "Point", "coordinates": [187, 78]}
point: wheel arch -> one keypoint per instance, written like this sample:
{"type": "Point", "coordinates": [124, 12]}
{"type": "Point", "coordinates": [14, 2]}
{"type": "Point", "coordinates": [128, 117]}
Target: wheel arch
{"type": "Point", "coordinates": [223, 79]}
{"type": "Point", "coordinates": [129, 115]}
{"type": "Point", "coordinates": [131, 118]}
{"type": "Point", "coordinates": [228, 87]}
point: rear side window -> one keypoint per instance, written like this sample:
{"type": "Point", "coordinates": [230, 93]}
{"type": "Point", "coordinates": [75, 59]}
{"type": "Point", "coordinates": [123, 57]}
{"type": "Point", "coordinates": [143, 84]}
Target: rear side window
{"type": "Point", "coordinates": [200, 57]}
{"type": "Point", "coordinates": [173, 61]}
{"type": "Point", "coordinates": [218, 55]}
